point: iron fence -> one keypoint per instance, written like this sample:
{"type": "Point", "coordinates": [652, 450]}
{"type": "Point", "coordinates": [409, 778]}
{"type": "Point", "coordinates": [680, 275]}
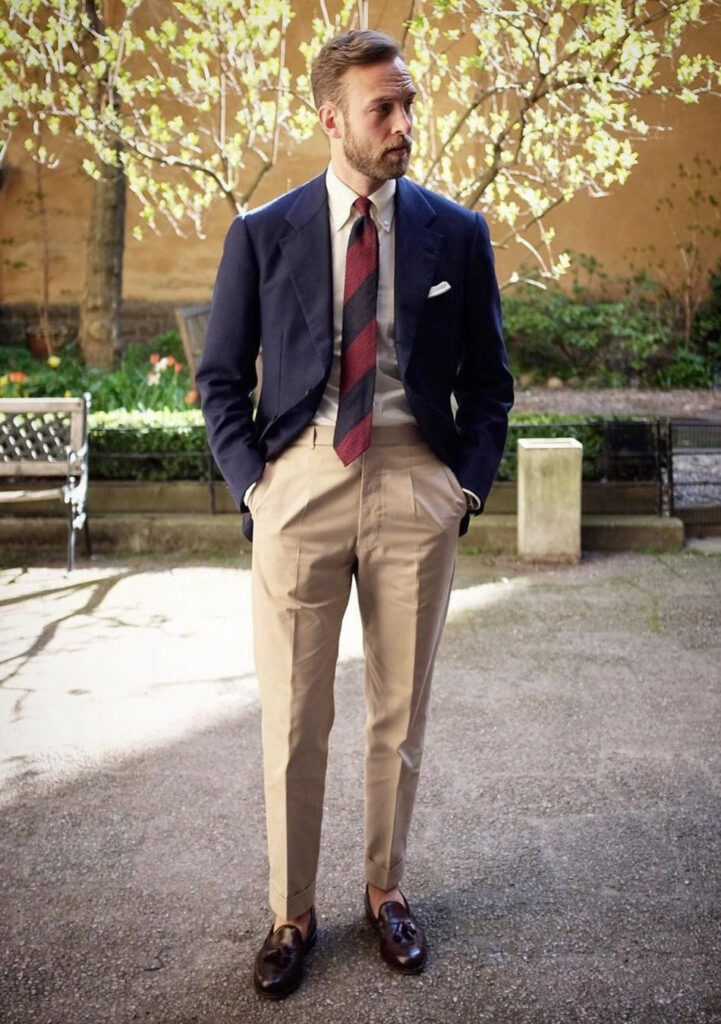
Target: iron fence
{"type": "Point", "coordinates": [614, 450]}
{"type": "Point", "coordinates": [695, 473]}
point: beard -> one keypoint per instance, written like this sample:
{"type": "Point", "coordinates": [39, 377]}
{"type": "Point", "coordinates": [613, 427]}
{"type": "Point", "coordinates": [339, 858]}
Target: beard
{"type": "Point", "coordinates": [377, 166]}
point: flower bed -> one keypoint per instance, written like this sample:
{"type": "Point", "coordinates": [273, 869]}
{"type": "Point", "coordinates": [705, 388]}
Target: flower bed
{"type": "Point", "coordinates": [147, 378]}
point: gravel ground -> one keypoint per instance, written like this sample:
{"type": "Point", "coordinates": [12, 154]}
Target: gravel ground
{"type": "Point", "coordinates": [565, 849]}
{"type": "Point", "coordinates": [697, 480]}
{"type": "Point", "coordinates": [694, 404]}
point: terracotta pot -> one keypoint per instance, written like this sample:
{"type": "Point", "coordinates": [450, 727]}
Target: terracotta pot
{"type": "Point", "coordinates": [38, 344]}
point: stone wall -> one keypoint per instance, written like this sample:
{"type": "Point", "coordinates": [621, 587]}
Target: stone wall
{"type": "Point", "coordinates": [142, 321]}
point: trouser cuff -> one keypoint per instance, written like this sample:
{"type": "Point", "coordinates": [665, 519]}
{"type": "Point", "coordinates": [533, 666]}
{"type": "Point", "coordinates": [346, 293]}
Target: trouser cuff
{"type": "Point", "coordinates": [292, 906]}
{"type": "Point", "coordinates": [384, 878]}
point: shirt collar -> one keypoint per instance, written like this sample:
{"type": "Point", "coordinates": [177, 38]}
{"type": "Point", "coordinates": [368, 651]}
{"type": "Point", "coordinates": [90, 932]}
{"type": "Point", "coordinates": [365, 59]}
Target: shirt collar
{"type": "Point", "coordinates": [341, 199]}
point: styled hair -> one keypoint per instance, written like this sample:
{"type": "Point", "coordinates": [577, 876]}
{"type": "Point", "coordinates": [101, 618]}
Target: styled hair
{"type": "Point", "coordinates": [360, 46]}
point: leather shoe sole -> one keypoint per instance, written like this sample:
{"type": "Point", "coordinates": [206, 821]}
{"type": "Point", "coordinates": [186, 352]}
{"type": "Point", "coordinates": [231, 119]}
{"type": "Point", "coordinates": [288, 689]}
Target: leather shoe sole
{"type": "Point", "coordinates": [402, 941]}
{"type": "Point", "coordinates": [278, 968]}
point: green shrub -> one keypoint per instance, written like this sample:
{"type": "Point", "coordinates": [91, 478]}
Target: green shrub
{"type": "Point", "coordinates": [148, 445]}
{"type": "Point", "coordinates": [584, 335]}
{"type": "Point", "coordinates": [144, 380]}
{"type": "Point", "coordinates": [687, 369]}
{"type": "Point", "coordinates": [12, 357]}
{"type": "Point", "coordinates": [584, 429]}
{"type": "Point", "coordinates": [706, 332]}
{"type": "Point", "coordinates": [168, 344]}
{"type": "Point", "coordinates": [161, 446]}
{"type": "Point", "coordinates": [21, 376]}
{"type": "Point", "coordinates": [613, 333]}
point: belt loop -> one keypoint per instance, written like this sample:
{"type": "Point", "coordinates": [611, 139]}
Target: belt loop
{"type": "Point", "coordinates": [315, 435]}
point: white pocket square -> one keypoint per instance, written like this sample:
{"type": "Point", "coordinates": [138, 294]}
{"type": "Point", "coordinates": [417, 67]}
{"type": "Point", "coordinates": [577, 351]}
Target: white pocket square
{"type": "Point", "coordinates": [439, 289]}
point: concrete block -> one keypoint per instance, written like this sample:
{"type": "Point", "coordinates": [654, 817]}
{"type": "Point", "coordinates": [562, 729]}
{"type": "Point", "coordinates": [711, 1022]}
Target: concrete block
{"type": "Point", "coordinates": [549, 499]}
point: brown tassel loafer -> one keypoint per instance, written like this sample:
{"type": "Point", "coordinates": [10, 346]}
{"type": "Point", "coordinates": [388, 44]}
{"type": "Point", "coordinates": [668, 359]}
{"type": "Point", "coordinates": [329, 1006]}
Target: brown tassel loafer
{"type": "Point", "coordinates": [278, 967]}
{"type": "Point", "coordinates": [403, 943]}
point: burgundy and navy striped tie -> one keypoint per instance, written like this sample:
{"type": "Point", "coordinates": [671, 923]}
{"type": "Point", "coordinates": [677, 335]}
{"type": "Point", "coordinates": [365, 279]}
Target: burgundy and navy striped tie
{"type": "Point", "coordinates": [359, 339]}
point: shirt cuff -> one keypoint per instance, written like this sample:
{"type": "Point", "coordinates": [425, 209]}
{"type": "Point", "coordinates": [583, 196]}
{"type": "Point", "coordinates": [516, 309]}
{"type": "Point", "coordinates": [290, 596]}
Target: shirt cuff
{"type": "Point", "coordinates": [474, 502]}
{"type": "Point", "coordinates": [248, 493]}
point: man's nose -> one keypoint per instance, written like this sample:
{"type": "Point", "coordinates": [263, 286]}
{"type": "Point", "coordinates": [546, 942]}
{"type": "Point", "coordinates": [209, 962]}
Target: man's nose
{"type": "Point", "coordinates": [402, 121]}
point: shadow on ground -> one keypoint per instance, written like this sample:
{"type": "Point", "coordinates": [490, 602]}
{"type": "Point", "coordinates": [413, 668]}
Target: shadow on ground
{"type": "Point", "coordinates": [565, 855]}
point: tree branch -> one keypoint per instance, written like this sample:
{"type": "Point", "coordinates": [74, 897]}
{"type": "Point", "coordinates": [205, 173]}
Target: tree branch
{"type": "Point", "coordinates": [406, 25]}
{"type": "Point", "coordinates": [517, 232]}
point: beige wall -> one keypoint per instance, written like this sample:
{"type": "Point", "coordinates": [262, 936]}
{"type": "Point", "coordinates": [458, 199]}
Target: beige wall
{"type": "Point", "coordinates": [166, 267]}
{"type": "Point", "coordinates": [614, 228]}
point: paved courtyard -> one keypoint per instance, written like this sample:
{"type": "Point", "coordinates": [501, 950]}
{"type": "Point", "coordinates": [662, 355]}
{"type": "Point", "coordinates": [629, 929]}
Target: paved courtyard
{"type": "Point", "coordinates": [566, 854]}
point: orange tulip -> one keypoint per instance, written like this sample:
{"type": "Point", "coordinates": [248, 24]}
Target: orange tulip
{"type": "Point", "coordinates": [17, 376]}
{"type": "Point", "coordinates": [154, 357]}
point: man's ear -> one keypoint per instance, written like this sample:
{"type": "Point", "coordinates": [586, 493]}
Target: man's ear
{"type": "Point", "coordinates": [331, 120]}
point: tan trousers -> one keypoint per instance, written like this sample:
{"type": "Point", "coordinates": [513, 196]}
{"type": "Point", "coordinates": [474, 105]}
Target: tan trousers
{"type": "Point", "coordinates": [391, 520]}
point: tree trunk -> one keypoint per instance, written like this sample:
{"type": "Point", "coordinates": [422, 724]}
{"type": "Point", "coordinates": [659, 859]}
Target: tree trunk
{"type": "Point", "coordinates": [99, 332]}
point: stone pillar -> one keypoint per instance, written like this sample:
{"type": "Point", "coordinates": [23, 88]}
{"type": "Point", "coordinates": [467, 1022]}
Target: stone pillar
{"type": "Point", "coordinates": [549, 499]}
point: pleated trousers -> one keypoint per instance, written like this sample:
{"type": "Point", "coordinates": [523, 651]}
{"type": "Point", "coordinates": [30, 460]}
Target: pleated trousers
{"type": "Point", "coordinates": [390, 520]}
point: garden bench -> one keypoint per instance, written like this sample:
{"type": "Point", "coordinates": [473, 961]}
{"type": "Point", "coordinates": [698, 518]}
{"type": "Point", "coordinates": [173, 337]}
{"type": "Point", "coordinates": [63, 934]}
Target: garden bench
{"type": "Point", "coordinates": [193, 326]}
{"type": "Point", "coordinates": [42, 439]}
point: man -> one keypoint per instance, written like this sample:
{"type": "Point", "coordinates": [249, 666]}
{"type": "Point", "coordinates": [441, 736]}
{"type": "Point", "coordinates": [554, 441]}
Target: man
{"type": "Point", "coordinates": [373, 301]}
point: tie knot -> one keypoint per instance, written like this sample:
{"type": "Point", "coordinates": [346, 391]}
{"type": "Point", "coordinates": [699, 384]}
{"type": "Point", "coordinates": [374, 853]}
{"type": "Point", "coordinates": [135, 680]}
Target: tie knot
{"type": "Point", "coordinates": [363, 205]}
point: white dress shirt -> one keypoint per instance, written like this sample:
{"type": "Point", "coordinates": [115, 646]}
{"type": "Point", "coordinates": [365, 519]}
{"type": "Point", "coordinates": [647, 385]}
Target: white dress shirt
{"type": "Point", "coordinates": [390, 405]}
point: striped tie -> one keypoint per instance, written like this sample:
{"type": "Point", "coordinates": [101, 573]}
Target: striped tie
{"type": "Point", "coordinates": [358, 339]}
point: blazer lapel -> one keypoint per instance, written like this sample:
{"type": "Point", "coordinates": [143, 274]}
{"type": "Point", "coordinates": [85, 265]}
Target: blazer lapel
{"type": "Point", "coordinates": [418, 249]}
{"type": "Point", "coordinates": [307, 251]}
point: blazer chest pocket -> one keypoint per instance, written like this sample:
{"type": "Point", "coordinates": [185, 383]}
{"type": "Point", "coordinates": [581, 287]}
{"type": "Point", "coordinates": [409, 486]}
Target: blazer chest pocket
{"type": "Point", "coordinates": [438, 333]}
{"type": "Point", "coordinates": [440, 308]}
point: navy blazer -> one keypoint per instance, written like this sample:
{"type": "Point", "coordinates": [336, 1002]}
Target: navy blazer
{"type": "Point", "coordinates": [274, 292]}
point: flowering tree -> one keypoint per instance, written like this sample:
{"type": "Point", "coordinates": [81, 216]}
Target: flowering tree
{"type": "Point", "coordinates": [521, 105]}
{"type": "Point", "coordinates": [181, 102]}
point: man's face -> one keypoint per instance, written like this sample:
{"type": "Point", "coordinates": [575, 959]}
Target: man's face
{"type": "Point", "coordinates": [376, 120]}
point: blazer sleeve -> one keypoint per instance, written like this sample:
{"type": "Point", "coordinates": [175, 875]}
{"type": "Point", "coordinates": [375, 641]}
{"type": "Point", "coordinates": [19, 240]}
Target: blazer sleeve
{"type": "Point", "coordinates": [484, 386]}
{"type": "Point", "coordinates": [226, 375]}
